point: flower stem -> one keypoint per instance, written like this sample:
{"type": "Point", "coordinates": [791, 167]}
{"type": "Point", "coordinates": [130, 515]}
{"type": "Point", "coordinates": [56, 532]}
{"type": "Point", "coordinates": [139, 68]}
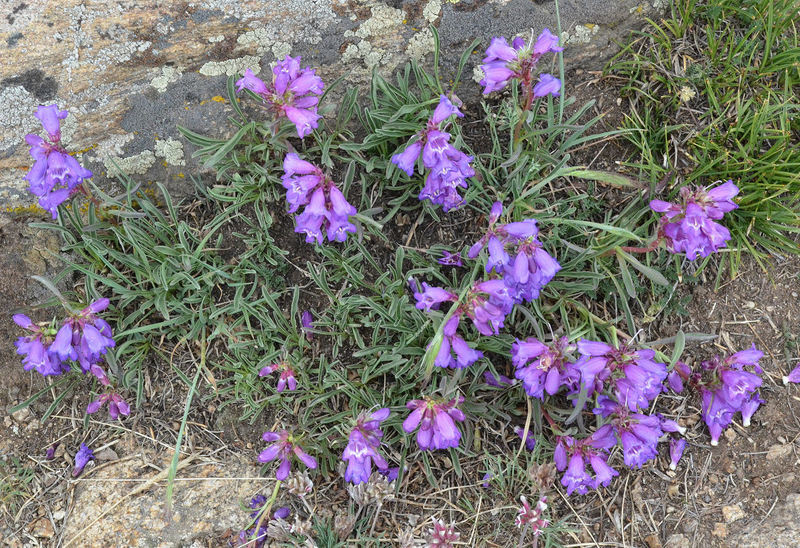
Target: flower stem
{"type": "Point", "coordinates": [264, 512]}
{"type": "Point", "coordinates": [522, 535]}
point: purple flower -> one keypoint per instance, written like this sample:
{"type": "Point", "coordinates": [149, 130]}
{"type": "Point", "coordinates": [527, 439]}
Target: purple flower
{"type": "Point", "coordinates": [530, 441]}
{"type": "Point", "coordinates": [517, 254]}
{"type": "Point", "coordinates": [82, 457]}
{"type": "Point", "coordinates": [689, 226]}
{"type": "Point", "coordinates": [450, 259]}
{"type": "Point", "coordinates": [454, 352]}
{"type": "Point", "coordinates": [532, 518]}
{"type": "Point", "coordinates": [546, 42]}
{"type": "Point", "coordinates": [676, 447]}
{"type": "Point", "coordinates": [497, 382]}
{"type": "Point", "coordinates": [542, 368]}
{"type": "Point", "coordinates": [85, 338]}
{"type": "Point", "coordinates": [286, 375]}
{"type": "Point", "coordinates": [436, 421]}
{"type": "Point", "coordinates": [293, 93]}
{"type": "Point", "coordinates": [36, 348]}
{"type": "Point", "coordinates": [430, 297]}
{"type": "Point", "coordinates": [448, 167]}
{"type": "Point", "coordinates": [116, 405]}
{"type": "Point", "coordinates": [504, 62]}
{"type": "Point", "coordinates": [637, 433]}
{"type": "Point", "coordinates": [326, 208]}
{"type": "Point", "coordinates": [282, 448]}
{"type": "Point", "coordinates": [633, 375]}
{"type": "Point", "coordinates": [571, 455]}
{"type": "Point", "coordinates": [55, 175]}
{"type": "Point", "coordinates": [362, 447]}
{"type": "Point", "coordinates": [487, 304]}
{"type": "Point", "coordinates": [794, 376]}
{"type": "Point", "coordinates": [547, 85]}
{"type": "Point", "coordinates": [726, 387]}
{"type": "Point", "coordinates": [307, 324]}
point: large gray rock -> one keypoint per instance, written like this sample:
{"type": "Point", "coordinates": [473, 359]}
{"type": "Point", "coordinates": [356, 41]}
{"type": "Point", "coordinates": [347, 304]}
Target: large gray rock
{"type": "Point", "coordinates": [129, 71]}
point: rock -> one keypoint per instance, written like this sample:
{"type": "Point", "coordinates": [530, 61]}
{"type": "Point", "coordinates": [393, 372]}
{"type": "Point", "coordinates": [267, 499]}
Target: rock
{"type": "Point", "coordinates": [652, 541]}
{"type": "Point", "coordinates": [130, 72]}
{"type": "Point", "coordinates": [42, 528]}
{"type": "Point", "coordinates": [209, 503]}
{"type": "Point", "coordinates": [677, 540]}
{"type": "Point", "coordinates": [58, 515]}
{"type": "Point", "coordinates": [22, 415]}
{"type": "Point", "coordinates": [777, 451]}
{"type": "Point", "coordinates": [720, 530]}
{"type": "Point", "coordinates": [732, 513]}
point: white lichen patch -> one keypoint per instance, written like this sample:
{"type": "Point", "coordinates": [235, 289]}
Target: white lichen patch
{"type": "Point", "coordinates": [661, 5]}
{"type": "Point", "coordinates": [232, 66]}
{"type": "Point", "coordinates": [582, 34]}
{"type": "Point", "coordinates": [261, 38]}
{"type": "Point", "coordinates": [432, 10]}
{"type": "Point", "coordinates": [420, 45]}
{"type": "Point", "coordinates": [138, 164]}
{"type": "Point", "coordinates": [166, 77]}
{"type": "Point", "coordinates": [477, 74]}
{"type": "Point", "coordinates": [216, 39]}
{"type": "Point", "coordinates": [118, 53]}
{"type": "Point", "coordinates": [171, 150]}
{"type": "Point", "coordinates": [281, 49]}
{"type": "Point", "coordinates": [385, 22]}
{"type": "Point", "coordinates": [17, 107]}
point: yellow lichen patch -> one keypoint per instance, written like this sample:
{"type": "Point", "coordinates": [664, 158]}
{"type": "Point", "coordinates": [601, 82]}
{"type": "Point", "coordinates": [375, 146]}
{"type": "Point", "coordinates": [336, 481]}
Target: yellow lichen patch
{"type": "Point", "coordinates": [30, 208]}
{"type": "Point", "coordinates": [219, 99]}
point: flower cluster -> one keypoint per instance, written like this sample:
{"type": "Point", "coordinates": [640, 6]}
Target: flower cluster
{"type": "Point", "coordinates": [286, 375]}
{"type": "Point", "coordinates": [448, 167]}
{"type": "Point", "coordinates": [725, 388]}
{"type": "Point", "coordinates": [282, 448]}
{"type": "Point", "coordinates": [518, 60]}
{"type": "Point", "coordinates": [543, 368]}
{"type": "Point", "coordinates": [362, 447]}
{"type": "Point", "coordinates": [516, 253]}
{"type": "Point", "coordinates": [55, 175]}
{"type": "Point", "coordinates": [690, 225]}
{"type": "Point", "coordinates": [82, 338]}
{"type": "Point", "coordinates": [325, 205]}
{"type": "Point", "coordinates": [636, 432]}
{"type": "Point", "coordinates": [487, 304]}
{"type": "Point", "coordinates": [293, 93]}
{"type": "Point", "coordinates": [571, 455]}
{"type": "Point", "coordinates": [436, 421]}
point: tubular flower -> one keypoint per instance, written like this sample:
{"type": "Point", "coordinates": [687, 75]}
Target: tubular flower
{"type": "Point", "coordinates": [487, 304]}
{"type": "Point", "coordinates": [442, 535]}
{"type": "Point", "coordinates": [282, 448]}
{"type": "Point", "coordinates": [362, 447]}
{"type": "Point", "coordinates": [541, 368]}
{"type": "Point", "coordinates": [286, 375]}
{"type": "Point", "coordinates": [516, 253]}
{"type": "Point", "coordinates": [116, 405]}
{"type": "Point", "coordinates": [726, 387]}
{"type": "Point", "coordinates": [55, 175]}
{"type": "Point", "coordinates": [436, 421]}
{"type": "Point", "coordinates": [638, 433]}
{"type": "Point", "coordinates": [571, 455]}
{"type": "Point", "coordinates": [504, 62]}
{"type": "Point", "coordinates": [293, 93]}
{"type": "Point", "coordinates": [36, 348]}
{"type": "Point", "coordinates": [85, 338]}
{"type": "Point", "coordinates": [454, 351]}
{"type": "Point", "coordinates": [448, 168]}
{"type": "Point", "coordinates": [676, 447]}
{"type": "Point", "coordinates": [690, 226]}
{"type": "Point", "coordinates": [82, 458]}
{"type": "Point", "coordinates": [325, 205]}
{"type": "Point", "coordinates": [633, 375]}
